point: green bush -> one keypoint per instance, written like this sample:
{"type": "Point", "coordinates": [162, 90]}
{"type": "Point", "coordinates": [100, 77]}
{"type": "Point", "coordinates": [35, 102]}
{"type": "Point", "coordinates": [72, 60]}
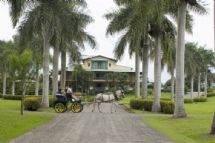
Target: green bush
{"type": "Point", "coordinates": [167, 107]}
{"type": "Point", "coordinates": [165, 99]}
{"type": "Point", "coordinates": [32, 103]}
{"type": "Point", "coordinates": [1, 95]}
{"type": "Point", "coordinates": [52, 100]}
{"type": "Point", "coordinates": [210, 90]}
{"type": "Point", "coordinates": [147, 106]}
{"type": "Point", "coordinates": [211, 94]}
{"type": "Point", "coordinates": [137, 104]}
{"type": "Point", "coordinates": [188, 100]}
{"type": "Point", "coordinates": [201, 99]}
{"type": "Point", "coordinates": [11, 97]}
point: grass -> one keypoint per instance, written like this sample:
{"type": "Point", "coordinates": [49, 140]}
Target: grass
{"type": "Point", "coordinates": [12, 124]}
{"type": "Point", "coordinates": [9, 105]}
{"type": "Point", "coordinates": [193, 129]}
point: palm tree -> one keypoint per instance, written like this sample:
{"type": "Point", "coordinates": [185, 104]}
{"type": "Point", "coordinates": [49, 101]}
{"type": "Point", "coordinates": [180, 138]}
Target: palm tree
{"type": "Point", "coordinates": [168, 59]}
{"type": "Point", "coordinates": [42, 19]}
{"type": "Point", "coordinates": [21, 63]}
{"type": "Point", "coordinates": [207, 59]}
{"type": "Point", "coordinates": [6, 48]}
{"type": "Point", "coordinates": [192, 61]}
{"type": "Point", "coordinates": [132, 19]}
{"type": "Point", "coordinates": [180, 49]}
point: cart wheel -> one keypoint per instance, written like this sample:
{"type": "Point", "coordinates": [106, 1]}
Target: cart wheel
{"type": "Point", "coordinates": [76, 107]}
{"type": "Point", "coordinates": [59, 108]}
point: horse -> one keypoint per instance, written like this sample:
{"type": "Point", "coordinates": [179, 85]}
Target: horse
{"type": "Point", "coordinates": [108, 98]}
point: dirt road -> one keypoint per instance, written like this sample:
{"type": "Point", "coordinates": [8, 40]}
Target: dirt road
{"type": "Point", "coordinates": [88, 127]}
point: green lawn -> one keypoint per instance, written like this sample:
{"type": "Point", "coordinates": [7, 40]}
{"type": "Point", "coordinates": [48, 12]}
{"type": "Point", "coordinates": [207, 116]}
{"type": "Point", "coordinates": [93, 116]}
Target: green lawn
{"type": "Point", "coordinates": [194, 129]}
{"type": "Point", "coordinates": [12, 124]}
{"type": "Point", "coordinates": [9, 105]}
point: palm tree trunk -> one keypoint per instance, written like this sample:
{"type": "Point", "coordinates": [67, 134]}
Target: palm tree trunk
{"type": "Point", "coordinates": [23, 96]}
{"type": "Point", "coordinates": [4, 82]}
{"type": "Point", "coordinates": [206, 84]}
{"type": "Point", "coordinates": [13, 87]}
{"type": "Point", "coordinates": [213, 126]}
{"type": "Point", "coordinates": [137, 74]}
{"type": "Point", "coordinates": [172, 85]}
{"type": "Point", "coordinates": [145, 72]}
{"type": "Point", "coordinates": [180, 50]}
{"type": "Point", "coordinates": [63, 70]}
{"type": "Point", "coordinates": [191, 89]}
{"type": "Point", "coordinates": [157, 76]}
{"type": "Point", "coordinates": [37, 83]}
{"type": "Point", "coordinates": [45, 98]}
{"type": "Point", "coordinates": [199, 82]}
{"type": "Point", "coordinates": [55, 71]}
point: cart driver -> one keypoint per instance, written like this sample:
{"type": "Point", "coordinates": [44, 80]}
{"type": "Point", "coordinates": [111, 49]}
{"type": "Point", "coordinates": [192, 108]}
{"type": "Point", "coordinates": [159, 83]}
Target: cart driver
{"type": "Point", "coordinates": [69, 92]}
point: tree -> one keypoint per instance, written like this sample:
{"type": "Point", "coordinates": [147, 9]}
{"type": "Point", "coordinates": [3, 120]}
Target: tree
{"type": "Point", "coordinates": [180, 49]}
{"type": "Point", "coordinates": [5, 48]}
{"type": "Point", "coordinates": [22, 62]}
{"type": "Point", "coordinates": [168, 59]}
{"type": "Point", "coordinates": [132, 19]}
{"type": "Point", "coordinates": [42, 19]}
{"type": "Point", "coordinates": [192, 62]}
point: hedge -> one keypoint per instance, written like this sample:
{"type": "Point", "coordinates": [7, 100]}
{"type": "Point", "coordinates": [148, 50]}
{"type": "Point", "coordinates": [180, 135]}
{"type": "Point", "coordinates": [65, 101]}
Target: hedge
{"type": "Point", "coordinates": [147, 106]}
{"type": "Point", "coordinates": [140, 104]}
{"type": "Point", "coordinates": [210, 90]}
{"type": "Point", "coordinates": [32, 103]}
{"type": "Point", "coordinates": [137, 104]}
{"type": "Point", "coordinates": [211, 94]}
{"type": "Point", "coordinates": [188, 100]}
{"type": "Point", "coordinates": [167, 107]}
{"type": "Point", "coordinates": [12, 97]}
{"type": "Point", "coordinates": [201, 99]}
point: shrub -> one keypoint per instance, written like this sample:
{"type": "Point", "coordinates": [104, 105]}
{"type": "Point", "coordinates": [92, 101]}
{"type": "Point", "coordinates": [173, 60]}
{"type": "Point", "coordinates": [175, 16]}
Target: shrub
{"type": "Point", "coordinates": [52, 100]}
{"type": "Point", "coordinates": [211, 94]}
{"type": "Point", "coordinates": [165, 99]}
{"type": "Point", "coordinates": [167, 107]}
{"type": "Point", "coordinates": [201, 99]}
{"type": "Point", "coordinates": [137, 104]}
{"type": "Point", "coordinates": [188, 100]}
{"type": "Point", "coordinates": [210, 90]}
{"type": "Point", "coordinates": [32, 103]}
{"type": "Point", "coordinates": [147, 106]}
{"type": "Point", "coordinates": [1, 95]}
{"type": "Point", "coordinates": [11, 97]}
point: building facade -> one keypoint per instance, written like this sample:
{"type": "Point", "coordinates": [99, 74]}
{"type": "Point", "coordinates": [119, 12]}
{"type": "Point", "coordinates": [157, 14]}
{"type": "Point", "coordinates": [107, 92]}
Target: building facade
{"type": "Point", "coordinates": [106, 74]}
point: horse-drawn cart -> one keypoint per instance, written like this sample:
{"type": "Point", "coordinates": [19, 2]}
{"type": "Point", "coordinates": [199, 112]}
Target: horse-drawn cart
{"type": "Point", "coordinates": [62, 104]}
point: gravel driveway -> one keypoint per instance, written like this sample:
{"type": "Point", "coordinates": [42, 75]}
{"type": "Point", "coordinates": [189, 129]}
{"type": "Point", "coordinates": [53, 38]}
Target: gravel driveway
{"type": "Point", "coordinates": [88, 127]}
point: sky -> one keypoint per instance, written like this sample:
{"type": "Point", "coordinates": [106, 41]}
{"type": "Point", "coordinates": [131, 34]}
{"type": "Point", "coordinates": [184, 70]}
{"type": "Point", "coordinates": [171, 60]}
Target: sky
{"type": "Point", "coordinates": [202, 32]}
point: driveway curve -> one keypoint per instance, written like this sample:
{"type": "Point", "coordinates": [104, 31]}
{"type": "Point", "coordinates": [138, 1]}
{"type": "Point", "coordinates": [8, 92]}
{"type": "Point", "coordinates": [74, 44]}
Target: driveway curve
{"type": "Point", "coordinates": [88, 127]}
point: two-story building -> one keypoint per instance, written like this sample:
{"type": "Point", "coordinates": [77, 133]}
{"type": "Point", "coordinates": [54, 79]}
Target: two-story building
{"type": "Point", "coordinates": [102, 68]}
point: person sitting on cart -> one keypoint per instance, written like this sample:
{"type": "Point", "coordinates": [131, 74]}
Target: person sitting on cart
{"type": "Point", "coordinates": [70, 94]}
{"type": "Point", "coordinates": [60, 95]}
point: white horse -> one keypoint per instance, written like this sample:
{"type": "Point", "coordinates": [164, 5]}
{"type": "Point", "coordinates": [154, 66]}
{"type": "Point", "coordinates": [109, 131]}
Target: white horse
{"type": "Point", "coordinates": [107, 98]}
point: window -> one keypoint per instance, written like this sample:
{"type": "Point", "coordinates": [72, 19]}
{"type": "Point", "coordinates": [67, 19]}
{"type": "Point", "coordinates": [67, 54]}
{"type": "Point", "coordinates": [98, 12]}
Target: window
{"type": "Point", "coordinates": [99, 65]}
{"type": "Point", "coordinates": [88, 64]}
{"type": "Point", "coordinates": [109, 64]}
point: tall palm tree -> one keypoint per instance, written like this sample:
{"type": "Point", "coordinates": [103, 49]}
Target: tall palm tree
{"type": "Point", "coordinates": [207, 59]}
{"type": "Point", "coordinates": [42, 19]}
{"type": "Point", "coordinates": [132, 19]}
{"type": "Point", "coordinates": [6, 48]}
{"type": "Point", "coordinates": [180, 49]}
{"type": "Point", "coordinates": [192, 62]}
{"type": "Point", "coordinates": [168, 59]}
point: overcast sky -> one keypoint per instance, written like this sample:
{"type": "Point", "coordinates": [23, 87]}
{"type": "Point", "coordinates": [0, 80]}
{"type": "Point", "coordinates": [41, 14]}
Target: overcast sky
{"type": "Point", "coordinates": [202, 31]}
